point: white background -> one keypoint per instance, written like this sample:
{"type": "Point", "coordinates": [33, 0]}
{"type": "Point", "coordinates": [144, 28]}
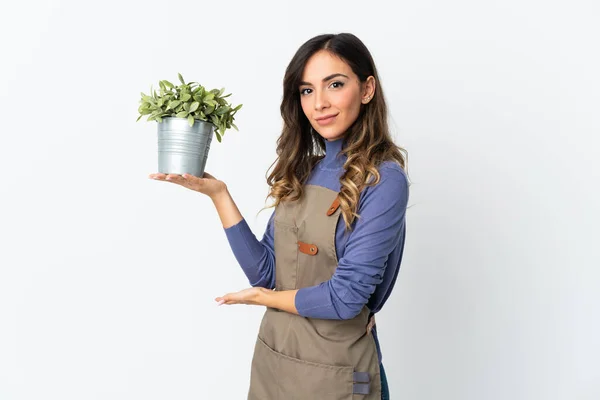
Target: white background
{"type": "Point", "coordinates": [108, 278]}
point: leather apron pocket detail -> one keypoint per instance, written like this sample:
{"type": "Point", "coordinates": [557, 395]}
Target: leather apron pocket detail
{"type": "Point", "coordinates": [307, 248]}
{"type": "Point", "coordinates": [334, 206]}
{"type": "Point", "coordinates": [276, 376]}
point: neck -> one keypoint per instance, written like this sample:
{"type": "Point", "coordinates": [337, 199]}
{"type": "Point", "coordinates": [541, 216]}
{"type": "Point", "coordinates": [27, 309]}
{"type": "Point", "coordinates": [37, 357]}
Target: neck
{"type": "Point", "coordinates": [333, 159]}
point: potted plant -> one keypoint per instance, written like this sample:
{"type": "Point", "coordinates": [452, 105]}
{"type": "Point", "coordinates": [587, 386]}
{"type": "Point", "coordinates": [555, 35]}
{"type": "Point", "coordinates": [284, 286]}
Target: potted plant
{"type": "Point", "coordinates": [187, 115]}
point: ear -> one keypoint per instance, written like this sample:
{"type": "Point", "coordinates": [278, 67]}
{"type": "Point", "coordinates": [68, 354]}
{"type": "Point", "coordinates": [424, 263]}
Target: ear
{"type": "Point", "coordinates": [368, 90]}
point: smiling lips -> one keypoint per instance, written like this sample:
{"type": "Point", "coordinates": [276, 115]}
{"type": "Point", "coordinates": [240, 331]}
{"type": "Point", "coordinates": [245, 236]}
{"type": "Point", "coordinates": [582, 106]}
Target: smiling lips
{"type": "Point", "coordinates": [326, 119]}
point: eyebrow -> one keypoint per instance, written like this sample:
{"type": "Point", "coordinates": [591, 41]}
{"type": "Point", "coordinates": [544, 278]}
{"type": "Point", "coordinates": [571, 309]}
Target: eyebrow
{"type": "Point", "coordinates": [325, 79]}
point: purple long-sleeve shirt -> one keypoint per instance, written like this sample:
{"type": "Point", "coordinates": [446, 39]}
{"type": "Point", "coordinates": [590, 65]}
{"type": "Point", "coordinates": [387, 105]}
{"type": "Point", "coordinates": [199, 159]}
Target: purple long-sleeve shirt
{"type": "Point", "coordinates": [369, 256]}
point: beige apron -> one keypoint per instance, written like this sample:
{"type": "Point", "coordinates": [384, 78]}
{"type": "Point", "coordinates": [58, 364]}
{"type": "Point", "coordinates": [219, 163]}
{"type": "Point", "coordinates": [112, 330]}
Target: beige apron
{"type": "Point", "coordinates": [308, 358]}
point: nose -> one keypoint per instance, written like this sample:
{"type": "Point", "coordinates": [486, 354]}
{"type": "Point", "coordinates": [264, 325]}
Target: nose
{"type": "Point", "coordinates": [321, 101]}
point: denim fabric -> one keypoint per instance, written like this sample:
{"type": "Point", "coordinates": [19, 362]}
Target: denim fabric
{"type": "Point", "coordinates": [385, 391]}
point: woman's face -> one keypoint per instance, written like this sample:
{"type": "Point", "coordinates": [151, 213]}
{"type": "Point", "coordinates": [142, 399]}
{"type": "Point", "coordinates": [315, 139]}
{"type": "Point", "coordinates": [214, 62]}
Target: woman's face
{"type": "Point", "coordinates": [331, 94]}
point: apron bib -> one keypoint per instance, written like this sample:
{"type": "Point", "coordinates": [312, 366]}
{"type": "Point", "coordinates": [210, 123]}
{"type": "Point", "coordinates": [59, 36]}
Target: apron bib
{"type": "Point", "coordinates": [310, 358]}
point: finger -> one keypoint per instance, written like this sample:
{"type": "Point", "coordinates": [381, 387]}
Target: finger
{"type": "Point", "coordinates": [158, 176]}
{"type": "Point", "coordinates": [178, 179]}
{"type": "Point", "coordinates": [192, 179]}
{"type": "Point", "coordinates": [192, 182]}
{"type": "Point", "coordinates": [227, 299]}
{"type": "Point", "coordinates": [207, 175]}
{"type": "Point", "coordinates": [166, 177]}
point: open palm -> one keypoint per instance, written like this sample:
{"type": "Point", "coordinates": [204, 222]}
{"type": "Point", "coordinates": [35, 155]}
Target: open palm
{"type": "Point", "coordinates": [207, 184]}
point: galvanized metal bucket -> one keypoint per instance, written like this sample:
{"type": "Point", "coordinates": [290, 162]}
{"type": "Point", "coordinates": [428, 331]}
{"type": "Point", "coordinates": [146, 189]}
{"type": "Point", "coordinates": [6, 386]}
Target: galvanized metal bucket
{"type": "Point", "coordinates": [183, 148]}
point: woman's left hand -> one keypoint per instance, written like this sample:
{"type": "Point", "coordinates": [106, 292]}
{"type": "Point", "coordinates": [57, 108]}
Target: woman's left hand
{"type": "Point", "coordinates": [246, 296]}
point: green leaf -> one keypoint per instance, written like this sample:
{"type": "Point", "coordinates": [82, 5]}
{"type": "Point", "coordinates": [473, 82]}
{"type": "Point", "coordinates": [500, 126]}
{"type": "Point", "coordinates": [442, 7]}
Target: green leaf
{"type": "Point", "coordinates": [186, 97]}
{"type": "Point", "coordinates": [218, 136]}
{"type": "Point", "coordinates": [222, 110]}
{"type": "Point", "coordinates": [209, 96]}
{"type": "Point", "coordinates": [181, 78]}
{"type": "Point", "coordinates": [168, 84]}
{"type": "Point", "coordinates": [194, 106]}
{"type": "Point", "coordinates": [236, 128]}
{"type": "Point", "coordinates": [182, 114]}
{"type": "Point", "coordinates": [173, 104]}
{"type": "Point", "coordinates": [190, 120]}
{"type": "Point", "coordinates": [220, 92]}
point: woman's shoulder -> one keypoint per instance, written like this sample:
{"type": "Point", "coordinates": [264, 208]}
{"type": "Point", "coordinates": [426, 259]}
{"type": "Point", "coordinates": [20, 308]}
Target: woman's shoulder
{"type": "Point", "coordinates": [392, 165]}
{"type": "Point", "coordinates": [392, 173]}
{"type": "Point", "coordinates": [389, 197]}
{"type": "Point", "coordinates": [393, 183]}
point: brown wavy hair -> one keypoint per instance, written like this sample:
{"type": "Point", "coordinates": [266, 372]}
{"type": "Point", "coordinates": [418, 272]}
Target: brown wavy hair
{"type": "Point", "coordinates": [368, 139]}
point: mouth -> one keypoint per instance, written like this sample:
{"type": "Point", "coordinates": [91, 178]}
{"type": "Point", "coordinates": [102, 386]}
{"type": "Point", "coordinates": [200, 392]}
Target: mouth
{"type": "Point", "coordinates": [326, 119]}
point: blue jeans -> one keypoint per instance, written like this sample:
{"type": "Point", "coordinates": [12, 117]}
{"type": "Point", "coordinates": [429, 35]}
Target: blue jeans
{"type": "Point", "coordinates": [385, 391]}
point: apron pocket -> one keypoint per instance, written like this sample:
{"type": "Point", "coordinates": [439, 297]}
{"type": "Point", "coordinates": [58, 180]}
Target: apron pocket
{"type": "Point", "coordinates": [276, 376]}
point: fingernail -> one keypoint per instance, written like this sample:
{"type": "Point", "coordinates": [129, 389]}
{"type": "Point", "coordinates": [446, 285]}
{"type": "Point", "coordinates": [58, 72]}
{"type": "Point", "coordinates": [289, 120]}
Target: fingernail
{"type": "Point", "coordinates": [221, 302]}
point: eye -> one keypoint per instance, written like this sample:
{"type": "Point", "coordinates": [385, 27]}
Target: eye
{"type": "Point", "coordinates": [303, 91]}
{"type": "Point", "coordinates": [338, 83]}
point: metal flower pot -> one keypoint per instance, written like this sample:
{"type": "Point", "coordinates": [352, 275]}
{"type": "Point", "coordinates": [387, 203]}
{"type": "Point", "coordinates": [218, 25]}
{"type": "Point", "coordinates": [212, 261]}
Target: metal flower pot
{"type": "Point", "coordinates": [183, 148]}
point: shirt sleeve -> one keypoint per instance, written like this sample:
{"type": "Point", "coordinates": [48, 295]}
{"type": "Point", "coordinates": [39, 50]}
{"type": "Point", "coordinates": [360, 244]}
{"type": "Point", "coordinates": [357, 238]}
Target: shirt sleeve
{"type": "Point", "coordinates": [257, 258]}
{"type": "Point", "coordinates": [376, 233]}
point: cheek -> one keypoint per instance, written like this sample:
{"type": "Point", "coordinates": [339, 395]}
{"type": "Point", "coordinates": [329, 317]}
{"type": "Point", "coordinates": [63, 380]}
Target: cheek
{"type": "Point", "coordinates": [305, 107]}
{"type": "Point", "coordinates": [349, 103]}
{"type": "Point", "coordinates": [347, 100]}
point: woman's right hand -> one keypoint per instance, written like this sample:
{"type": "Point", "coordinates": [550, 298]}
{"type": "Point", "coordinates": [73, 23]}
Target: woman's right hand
{"type": "Point", "coordinates": [208, 184]}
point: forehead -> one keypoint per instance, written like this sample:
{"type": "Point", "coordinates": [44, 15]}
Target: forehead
{"type": "Point", "coordinates": [322, 64]}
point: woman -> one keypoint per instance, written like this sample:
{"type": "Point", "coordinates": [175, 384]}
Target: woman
{"type": "Point", "coordinates": [330, 275]}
